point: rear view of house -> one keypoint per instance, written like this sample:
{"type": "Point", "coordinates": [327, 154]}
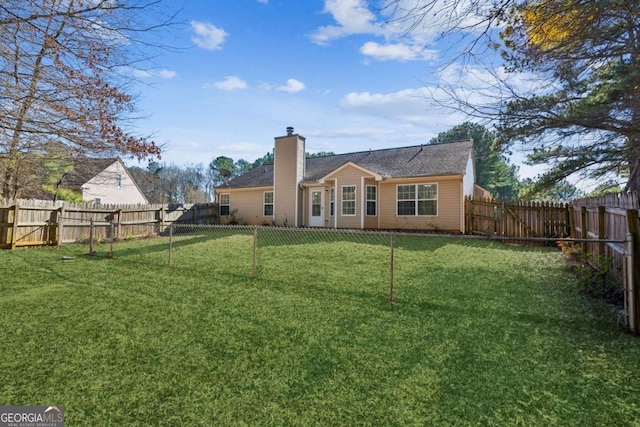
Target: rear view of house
{"type": "Point", "coordinates": [410, 188]}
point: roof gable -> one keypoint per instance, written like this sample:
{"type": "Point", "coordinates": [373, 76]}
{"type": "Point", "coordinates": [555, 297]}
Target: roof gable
{"type": "Point", "coordinates": [84, 169]}
{"type": "Point", "coordinates": [353, 165]}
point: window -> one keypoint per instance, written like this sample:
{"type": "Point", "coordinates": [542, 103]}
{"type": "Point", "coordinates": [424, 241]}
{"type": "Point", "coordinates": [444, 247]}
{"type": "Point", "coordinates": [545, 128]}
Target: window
{"type": "Point", "coordinates": [333, 196]}
{"type": "Point", "coordinates": [418, 199]}
{"type": "Point", "coordinates": [118, 180]}
{"type": "Point", "coordinates": [224, 204]}
{"type": "Point", "coordinates": [348, 200]}
{"type": "Point", "coordinates": [97, 201]}
{"type": "Point", "coordinates": [372, 200]}
{"type": "Point", "coordinates": [268, 203]}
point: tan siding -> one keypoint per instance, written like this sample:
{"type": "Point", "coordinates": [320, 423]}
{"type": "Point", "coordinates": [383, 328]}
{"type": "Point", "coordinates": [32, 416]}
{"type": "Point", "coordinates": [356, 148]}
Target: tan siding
{"type": "Point", "coordinates": [349, 176]}
{"type": "Point", "coordinates": [449, 206]}
{"type": "Point", "coordinates": [287, 173]}
{"type": "Point", "coordinates": [249, 205]}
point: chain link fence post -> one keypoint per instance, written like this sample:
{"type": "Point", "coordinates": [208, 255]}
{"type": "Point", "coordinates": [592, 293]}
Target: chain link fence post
{"type": "Point", "coordinates": [170, 242]}
{"type": "Point", "coordinates": [91, 237]}
{"type": "Point", "coordinates": [392, 248]}
{"type": "Point", "coordinates": [255, 246]}
{"type": "Point", "coordinates": [112, 235]}
{"type": "Point", "coordinates": [60, 225]}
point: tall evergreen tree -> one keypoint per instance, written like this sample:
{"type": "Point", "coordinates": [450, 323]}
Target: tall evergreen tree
{"type": "Point", "coordinates": [494, 172]}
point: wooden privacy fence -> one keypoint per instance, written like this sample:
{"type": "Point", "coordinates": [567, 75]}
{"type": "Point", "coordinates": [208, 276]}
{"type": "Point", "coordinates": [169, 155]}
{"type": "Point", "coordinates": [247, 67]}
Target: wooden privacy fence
{"type": "Point", "coordinates": [606, 227]}
{"type": "Point", "coordinates": [517, 218]}
{"type": "Point", "coordinates": [42, 223]}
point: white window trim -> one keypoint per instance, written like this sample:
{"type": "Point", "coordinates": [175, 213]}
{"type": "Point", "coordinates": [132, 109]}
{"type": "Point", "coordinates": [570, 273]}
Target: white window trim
{"type": "Point", "coordinates": [355, 198]}
{"type": "Point", "coordinates": [264, 204]}
{"type": "Point", "coordinates": [367, 200]}
{"type": "Point", "coordinates": [416, 200]}
{"type": "Point", "coordinates": [220, 204]}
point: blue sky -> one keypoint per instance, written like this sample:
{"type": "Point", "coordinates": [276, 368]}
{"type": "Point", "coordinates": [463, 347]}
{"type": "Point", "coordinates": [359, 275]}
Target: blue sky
{"type": "Point", "coordinates": [247, 69]}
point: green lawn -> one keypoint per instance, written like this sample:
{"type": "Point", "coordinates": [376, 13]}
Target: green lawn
{"type": "Point", "coordinates": [480, 333]}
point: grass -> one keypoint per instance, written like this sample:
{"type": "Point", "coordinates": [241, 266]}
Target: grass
{"type": "Point", "coordinates": [480, 333]}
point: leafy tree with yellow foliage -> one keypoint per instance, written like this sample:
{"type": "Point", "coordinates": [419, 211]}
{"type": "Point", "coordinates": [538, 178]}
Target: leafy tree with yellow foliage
{"type": "Point", "coordinates": [586, 119]}
{"type": "Point", "coordinates": [574, 103]}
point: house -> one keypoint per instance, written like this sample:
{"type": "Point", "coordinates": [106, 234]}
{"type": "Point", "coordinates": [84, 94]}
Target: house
{"type": "Point", "coordinates": [103, 181]}
{"type": "Point", "coordinates": [410, 188]}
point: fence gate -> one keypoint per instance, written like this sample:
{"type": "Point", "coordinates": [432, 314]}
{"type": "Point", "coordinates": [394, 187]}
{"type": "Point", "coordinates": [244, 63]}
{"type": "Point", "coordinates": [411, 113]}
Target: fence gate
{"type": "Point", "coordinates": [517, 218]}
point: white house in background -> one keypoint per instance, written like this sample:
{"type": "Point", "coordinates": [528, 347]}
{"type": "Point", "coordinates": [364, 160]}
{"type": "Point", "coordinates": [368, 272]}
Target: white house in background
{"type": "Point", "coordinates": [104, 181]}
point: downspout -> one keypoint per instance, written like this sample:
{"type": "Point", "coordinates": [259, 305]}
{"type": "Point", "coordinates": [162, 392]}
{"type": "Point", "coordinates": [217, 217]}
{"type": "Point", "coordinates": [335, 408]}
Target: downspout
{"type": "Point", "coordinates": [304, 214]}
{"type": "Point", "coordinates": [362, 202]}
{"type": "Point", "coordinates": [335, 203]}
{"type": "Point", "coordinates": [462, 205]}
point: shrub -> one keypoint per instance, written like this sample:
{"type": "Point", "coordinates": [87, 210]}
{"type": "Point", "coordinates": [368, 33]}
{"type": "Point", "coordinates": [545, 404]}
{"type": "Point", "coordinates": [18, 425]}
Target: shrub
{"type": "Point", "coordinates": [599, 279]}
{"type": "Point", "coordinates": [596, 275]}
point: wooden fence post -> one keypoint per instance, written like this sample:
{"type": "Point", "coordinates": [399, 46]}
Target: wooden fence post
{"type": "Point", "coordinates": [14, 231]}
{"type": "Point", "coordinates": [467, 215]}
{"type": "Point", "coordinates": [583, 229]}
{"type": "Point", "coordinates": [571, 221]}
{"type": "Point", "coordinates": [502, 219]}
{"type": "Point", "coordinates": [634, 301]}
{"type": "Point", "coordinates": [601, 230]}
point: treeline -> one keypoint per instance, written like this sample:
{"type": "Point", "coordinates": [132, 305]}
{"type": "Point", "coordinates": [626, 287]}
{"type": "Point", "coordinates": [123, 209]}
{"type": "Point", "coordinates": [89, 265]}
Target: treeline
{"type": "Point", "coordinates": [496, 173]}
{"type": "Point", "coordinates": [193, 183]}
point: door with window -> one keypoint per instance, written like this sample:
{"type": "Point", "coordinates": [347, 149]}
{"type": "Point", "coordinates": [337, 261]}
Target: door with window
{"type": "Point", "coordinates": [316, 208]}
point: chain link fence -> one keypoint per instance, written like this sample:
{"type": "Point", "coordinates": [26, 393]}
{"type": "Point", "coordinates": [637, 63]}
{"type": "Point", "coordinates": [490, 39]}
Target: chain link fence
{"type": "Point", "coordinates": [367, 259]}
{"type": "Point", "coordinates": [314, 255]}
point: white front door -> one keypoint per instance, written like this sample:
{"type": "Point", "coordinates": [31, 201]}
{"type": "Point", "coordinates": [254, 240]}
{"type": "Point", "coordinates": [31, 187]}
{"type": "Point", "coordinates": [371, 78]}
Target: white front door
{"type": "Point", "coordinates": [316, 208]}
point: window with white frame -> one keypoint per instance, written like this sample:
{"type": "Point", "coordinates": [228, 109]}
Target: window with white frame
{"type": "Point", "coordinates": [417, 200]}
{"type": "Point", "coordinates": [348, 200]}
{"type": "Point", "coordinates": [372, 200]}
{"type": "Point", "coordinates": [267, 203]}
{"type": "Point", "coordinates": [224, 204]}
{"type": "Point", "coordinates": [118, 180]}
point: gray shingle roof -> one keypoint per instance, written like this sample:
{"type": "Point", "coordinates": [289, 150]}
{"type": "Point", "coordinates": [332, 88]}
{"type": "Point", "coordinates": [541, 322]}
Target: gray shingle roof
{"type": "Point", "coordinates": [420, 160]}
{"type": "Point", "coordinates": [86, 168]}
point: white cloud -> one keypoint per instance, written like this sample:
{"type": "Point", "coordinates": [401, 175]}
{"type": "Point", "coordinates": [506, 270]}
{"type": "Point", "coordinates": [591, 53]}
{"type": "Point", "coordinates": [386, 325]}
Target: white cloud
{"type": "Point", "coordinates": [292, 86]}
{"type": "Point", "coordinates": [162, 73]}
{"type": "Point", "coordinates": [352, 17]}
{"type": "Point", "coordinates": [208, 36]}
{"type": "Point", "coordinates": [243, 150]}
{"type": "Point", "coordinates": [231, 83]}
{"type": "Point", "coordinates": [412, 106]}
{"type": "Point", "coordinates": [397, 52]}
{"type": "Point", "coordinates": [166, 74]}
